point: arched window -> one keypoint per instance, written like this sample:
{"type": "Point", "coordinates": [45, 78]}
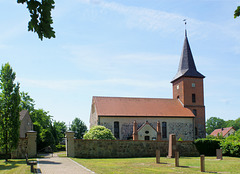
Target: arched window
{"type": "Point", "coordinates": [116, 129]}
{"type": "Point", "coordinates": [164, 129]}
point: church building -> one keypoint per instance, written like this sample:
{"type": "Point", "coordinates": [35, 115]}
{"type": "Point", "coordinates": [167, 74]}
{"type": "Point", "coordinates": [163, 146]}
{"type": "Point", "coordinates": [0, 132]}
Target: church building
{"type": "Point", "coordinates": [156, 118]}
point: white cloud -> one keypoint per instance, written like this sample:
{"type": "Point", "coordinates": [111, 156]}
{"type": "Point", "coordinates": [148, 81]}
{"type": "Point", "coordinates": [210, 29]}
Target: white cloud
{"type": "Point", "coordinates": [63, 85]}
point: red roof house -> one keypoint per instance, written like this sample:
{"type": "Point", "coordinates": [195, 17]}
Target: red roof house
{"type": "Point", "coordinates": [225, 132]}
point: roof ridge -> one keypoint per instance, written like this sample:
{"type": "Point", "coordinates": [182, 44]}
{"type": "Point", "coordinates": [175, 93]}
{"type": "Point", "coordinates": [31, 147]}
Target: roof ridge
{"type": "Point", "coordinates": [134, 98]}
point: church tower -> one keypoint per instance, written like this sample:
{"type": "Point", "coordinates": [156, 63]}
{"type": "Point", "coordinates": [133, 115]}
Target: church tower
{"type": "Point", "coordinates": [188, 88]}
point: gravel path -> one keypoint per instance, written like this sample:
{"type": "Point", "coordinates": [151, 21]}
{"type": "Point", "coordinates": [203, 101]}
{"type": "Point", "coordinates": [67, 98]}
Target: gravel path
{"type": "Point", "coordinates": [57, 165]}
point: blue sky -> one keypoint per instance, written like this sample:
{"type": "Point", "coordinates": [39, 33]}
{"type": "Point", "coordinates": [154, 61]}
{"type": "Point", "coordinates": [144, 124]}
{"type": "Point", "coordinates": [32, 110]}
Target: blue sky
{"type": "Point", "coordinates": [123, 48]}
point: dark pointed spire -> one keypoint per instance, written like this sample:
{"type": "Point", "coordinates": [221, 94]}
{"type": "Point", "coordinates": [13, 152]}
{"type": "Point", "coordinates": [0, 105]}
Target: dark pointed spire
{"type": "Point", "coordinates": [187, 66]}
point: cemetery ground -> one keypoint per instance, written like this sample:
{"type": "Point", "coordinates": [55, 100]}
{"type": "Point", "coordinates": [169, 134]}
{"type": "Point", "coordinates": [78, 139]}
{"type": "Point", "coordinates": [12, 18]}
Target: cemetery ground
{"type": "Point", "coordinates": [149, 165]}
{"type": "Point", "coordinates": [136, 165]}
{"type": "Point", "coordinates": [14, 166]}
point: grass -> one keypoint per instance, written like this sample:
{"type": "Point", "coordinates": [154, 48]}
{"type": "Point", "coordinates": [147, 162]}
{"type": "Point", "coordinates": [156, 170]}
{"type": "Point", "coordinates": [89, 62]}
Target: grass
{"type": "Point", "coordinates": [148, 165]}
{"type": "Point", "coordinates": [14, 166]}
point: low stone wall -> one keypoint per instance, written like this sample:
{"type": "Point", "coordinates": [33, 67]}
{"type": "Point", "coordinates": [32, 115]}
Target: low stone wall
{"type": "Point", "coordinates": [25, 145]}
{"type": "Point", "coordinates": [21, 149]}
{"type": "Point", "coordinates": [127, 148]}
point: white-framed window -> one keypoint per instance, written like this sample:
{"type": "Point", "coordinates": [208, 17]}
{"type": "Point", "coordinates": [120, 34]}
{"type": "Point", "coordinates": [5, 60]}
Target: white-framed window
{"type": "Point", "coordinates": [193, 85]}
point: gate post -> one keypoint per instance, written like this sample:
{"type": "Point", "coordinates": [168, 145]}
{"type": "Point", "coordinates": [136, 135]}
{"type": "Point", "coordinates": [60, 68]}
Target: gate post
{"type": "Point", "coordinates": [70, 144]}
{"type": "Point", "coordinates": [32, 145]}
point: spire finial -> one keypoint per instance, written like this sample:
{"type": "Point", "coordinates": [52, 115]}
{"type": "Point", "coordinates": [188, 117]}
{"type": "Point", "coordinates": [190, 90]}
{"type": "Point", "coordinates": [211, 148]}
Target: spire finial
{"type": "Point", "coordinates": [185, 22]}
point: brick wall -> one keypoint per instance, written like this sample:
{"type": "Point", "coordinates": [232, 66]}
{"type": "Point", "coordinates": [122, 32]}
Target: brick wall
{"type": "Point", "coordinates": [126, 149]}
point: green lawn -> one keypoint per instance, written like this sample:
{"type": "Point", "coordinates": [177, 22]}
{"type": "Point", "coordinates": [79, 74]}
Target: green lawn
{"type": "Point", "coordinates": [14, 166]}
{"type": "Point", "coordinates": [148, 165]}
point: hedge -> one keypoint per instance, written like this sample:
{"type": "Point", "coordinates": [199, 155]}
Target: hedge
{"type": "Point", "coordinates": [207, 147]}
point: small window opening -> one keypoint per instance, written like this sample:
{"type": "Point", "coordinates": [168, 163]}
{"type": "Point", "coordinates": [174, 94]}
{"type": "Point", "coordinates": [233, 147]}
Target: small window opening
{"type": "Point", "coordinates": [194, 98]}
{"type": "Point", "coordinates": [195, 112]}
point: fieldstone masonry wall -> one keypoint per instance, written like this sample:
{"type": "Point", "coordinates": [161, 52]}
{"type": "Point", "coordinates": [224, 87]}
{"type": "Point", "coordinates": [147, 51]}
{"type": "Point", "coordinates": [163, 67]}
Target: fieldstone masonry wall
{"type": "Point", "coordinates": [124, 148]}
{"type": "Point", "coordinates": [181, 127]}
{"type": "Point", "coordinates": [26, 145]}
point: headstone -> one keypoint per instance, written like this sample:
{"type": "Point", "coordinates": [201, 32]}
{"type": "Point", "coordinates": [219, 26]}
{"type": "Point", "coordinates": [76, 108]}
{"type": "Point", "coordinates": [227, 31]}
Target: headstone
{"type": "Point", "coordinates": [219, 154]}
{"type": "Point", "coordinates": [157, 156]}
{"type": "Point", "coordinates": [172, 147]}
{"type": "Point", "coordinates": [176, 159]}
{"type": "Point", "coordinates": [202, 159]}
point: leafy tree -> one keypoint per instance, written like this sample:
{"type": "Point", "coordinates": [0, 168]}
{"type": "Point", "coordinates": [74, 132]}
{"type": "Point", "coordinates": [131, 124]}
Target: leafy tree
{"type": "Point", "coordinates": [26, 103]}
{"type": "Point", "coordinates": [214, 123]}
{"type": "Point", "coordinates": [99, 133]}
{"type": "Point", "coordinates": [229, 123]}
{"type": "Point", "coordinates": [59, 129]}
{"type": "Point", "coordinates": [79, 127]}
{"type": "Point", "coordinates": [236, 124]}
{"type": "Point", "coordinates": [9, 110]}
{"type": "Point", "coordinates": [43, 125]}
{"type": "Point", "coordinates": [41, 19]}
{"type": "Point", "coordinates": [237, 12]}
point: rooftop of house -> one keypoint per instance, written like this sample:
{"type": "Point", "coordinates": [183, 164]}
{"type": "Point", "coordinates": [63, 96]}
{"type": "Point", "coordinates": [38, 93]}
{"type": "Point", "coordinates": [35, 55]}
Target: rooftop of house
{"type": "Point", "coordinates": [152, 107]}
{"type": "Point", "coordinates": [23, 113]}
{"type": "Point", "coordinates": [221, 131]}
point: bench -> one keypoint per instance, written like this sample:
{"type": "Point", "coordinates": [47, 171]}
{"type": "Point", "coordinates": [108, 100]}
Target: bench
{"type": "Point", "coordinates": [32, 163]}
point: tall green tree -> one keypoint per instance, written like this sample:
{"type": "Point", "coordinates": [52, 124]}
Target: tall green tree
{"type": "Point", "coordinates": [79, 127]}
{"type": "Point", "coordinates": [41, 19]}
{"type": "Point", "coordinates": [26, 103]}
{"type": "Point", "coordinates": [9, 110]}
{"type": "Point", "coordinates": [214, 123]}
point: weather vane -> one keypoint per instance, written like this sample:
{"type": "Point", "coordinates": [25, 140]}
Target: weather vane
{"type": "Point", "coordinates": [185, 22]}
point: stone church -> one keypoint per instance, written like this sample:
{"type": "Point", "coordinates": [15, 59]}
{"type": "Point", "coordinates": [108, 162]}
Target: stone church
{"type": "Point", "coordinates": [156, 118]}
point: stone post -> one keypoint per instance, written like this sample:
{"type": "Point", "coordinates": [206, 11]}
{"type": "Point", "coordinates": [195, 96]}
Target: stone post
{"type": "Point", "coordinates": [32, 144]}
{"type": "Point", "coordinates": [135, 133]}
{"type": "Point", "coordinates": [158, 131]}
{"type": "Point", "coordinates": [202, 158]}
{"type": "Point", "coordinates": [157, 156]}
{"type": "Point", "coordinates": [70, 143]}
{"type": "Point", "coordinates": [176, 159]}
{"type": "Point", "coordinates": [172, 146]}
{"type": "Point", "coordinates": [219, 154]}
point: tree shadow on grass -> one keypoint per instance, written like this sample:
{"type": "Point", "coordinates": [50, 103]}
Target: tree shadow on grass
{"type": "Point", "coordinates": [11, 164]}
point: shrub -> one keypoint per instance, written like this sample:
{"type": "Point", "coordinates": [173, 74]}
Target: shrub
{"type": "Point", "coordinates": [180, 139]}
{"type": "Point", "coordinates": [99, 133]}
{"type": "Point", "coordinates": [207, 146]}
{"type": "Point", "coordinates": [231, 145]}
{"type": "Point", "coordinates": [61, 147]}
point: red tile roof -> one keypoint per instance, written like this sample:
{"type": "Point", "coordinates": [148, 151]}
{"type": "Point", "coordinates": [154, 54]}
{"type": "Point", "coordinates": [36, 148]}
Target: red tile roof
{"type": "Point", "coordinates": [124, 106]}
{"type": "Point", "coordinates": [222, 131]}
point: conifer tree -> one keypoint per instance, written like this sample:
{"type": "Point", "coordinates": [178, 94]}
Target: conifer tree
{"type": "Point", "coordinates": [9, 110]}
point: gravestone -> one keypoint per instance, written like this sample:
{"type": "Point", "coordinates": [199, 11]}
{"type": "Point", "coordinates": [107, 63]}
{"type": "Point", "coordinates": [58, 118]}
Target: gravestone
{"type": "Point", "coordinates": [202, 159]}
{"type": "Point", "coordinates": [219, 154]}
{"type": "Point", "coordinates": [157, 156]}
{"type": "Point", "coordinates": [172, 146]}
{"type": "Point", "coordinates": [176, 159]}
